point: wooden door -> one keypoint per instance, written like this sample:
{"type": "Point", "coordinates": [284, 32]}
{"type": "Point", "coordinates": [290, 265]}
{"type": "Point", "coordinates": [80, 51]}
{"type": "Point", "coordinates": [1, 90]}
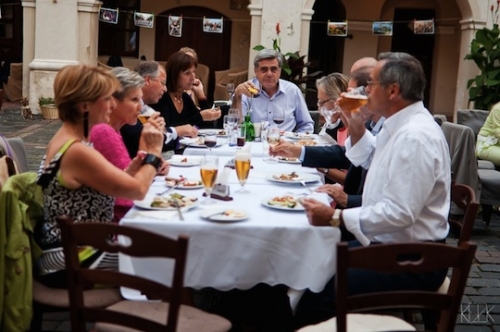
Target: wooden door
{"type": "Point", "coordinates": [213, 48]}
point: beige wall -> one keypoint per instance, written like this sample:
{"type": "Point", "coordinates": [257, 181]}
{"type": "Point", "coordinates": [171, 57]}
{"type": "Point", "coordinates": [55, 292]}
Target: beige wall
{"type": "Point", "coordinates": [240, 38]}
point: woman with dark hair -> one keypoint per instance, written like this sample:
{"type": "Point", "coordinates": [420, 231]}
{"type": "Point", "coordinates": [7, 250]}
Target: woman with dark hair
{"type": "Point", "coordinates": [176, 106]}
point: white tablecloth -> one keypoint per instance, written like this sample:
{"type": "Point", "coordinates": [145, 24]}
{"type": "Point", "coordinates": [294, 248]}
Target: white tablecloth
{"type": "Point", "coordinates": [225, 150]}
{"type": "Point", "coordinates": [271, 246]}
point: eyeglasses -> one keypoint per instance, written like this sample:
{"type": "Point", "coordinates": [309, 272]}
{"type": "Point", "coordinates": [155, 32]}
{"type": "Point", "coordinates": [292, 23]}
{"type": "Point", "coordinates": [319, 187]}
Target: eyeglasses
{"type": "Point", "coordinates": [158, 80]}
{"type": "Point", "coordinates": [322, 102]}
{"type": "Point", "coordinates": [273, 69]}
{"type": "Point", "coordinates": [372, 83]}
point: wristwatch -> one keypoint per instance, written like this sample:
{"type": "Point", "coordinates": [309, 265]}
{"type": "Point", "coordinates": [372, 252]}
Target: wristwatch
{"type": "Point", "coordinates": [325, 171]}
{"type": "Point", "coordinates": [335, 221]}
{"type": "Point", "coordinates": [152, 160]}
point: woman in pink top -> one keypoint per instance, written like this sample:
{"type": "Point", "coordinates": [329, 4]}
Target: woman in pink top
{"type": "Point", "coordinates": [106, 138]}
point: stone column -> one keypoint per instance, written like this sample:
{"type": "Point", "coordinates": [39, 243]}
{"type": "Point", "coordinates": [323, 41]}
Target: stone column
{"type": "Point", "coordinates": [467, 69]}
{"type": "Point", "coordinates": [65, 33]}
{"type": "Point", "coordinates": [255, 34]}
{"type": "Point", "coordinates": [29, 7]}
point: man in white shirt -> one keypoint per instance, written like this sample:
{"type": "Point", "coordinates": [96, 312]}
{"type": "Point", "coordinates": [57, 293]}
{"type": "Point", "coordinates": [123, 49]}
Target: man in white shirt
{"type": "Point", "coordinates": [406, 196]}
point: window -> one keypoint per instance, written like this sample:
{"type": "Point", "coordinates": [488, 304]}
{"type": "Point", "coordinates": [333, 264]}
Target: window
{"type": "Point", "coordinates": [123, 38]}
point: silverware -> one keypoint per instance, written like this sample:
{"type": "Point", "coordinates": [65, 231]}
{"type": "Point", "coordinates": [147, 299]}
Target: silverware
{"type": "Point", "coordinates": [178, 207]}
{"type": "Point", "coordinates": [304, 184]}
{"type": "Point", "coordinates": [169, 189]}
{"type": "Point", "coordinates": [215, 214]}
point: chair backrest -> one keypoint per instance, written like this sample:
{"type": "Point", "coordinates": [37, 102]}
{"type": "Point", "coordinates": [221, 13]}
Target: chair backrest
{"type": "Point", "coordinates": [203, 73]}
{"type": "Point", "coordinates": [393, 258]}
{"type": "Point", "coordinates": [473, 119]}
{"type": "Point", "coordinates": [464, 198]}
{"type": "Point", "coordinates": [133, 242]}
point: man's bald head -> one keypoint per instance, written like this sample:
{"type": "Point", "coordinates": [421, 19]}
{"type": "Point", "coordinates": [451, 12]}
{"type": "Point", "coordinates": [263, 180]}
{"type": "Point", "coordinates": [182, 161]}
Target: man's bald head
{"type": "Point", "coordinates": [363, 62]}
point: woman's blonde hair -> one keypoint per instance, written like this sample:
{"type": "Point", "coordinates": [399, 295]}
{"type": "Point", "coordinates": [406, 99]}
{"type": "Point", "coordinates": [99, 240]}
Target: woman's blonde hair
{"type": "Point", "coordinates": [333, 84]}
{"type": "Point", "coordinates": [75, 84]}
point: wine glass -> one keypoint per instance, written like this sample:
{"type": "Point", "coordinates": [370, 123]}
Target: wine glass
{"type": "Point", "coordinates": [273, 139]}
{"type": "Point", "coordinates": [208, 171]}
{"type": "Point", "coordinates": [230, 91]}
{"type": "Point", "coordinates": [235, 113]}
{"type": "Point", "coordinates": [210, 140]}
{"type": "Point", "coordinates": [242, 166]}
{"type": "Point", "coordinates": [279, 116]}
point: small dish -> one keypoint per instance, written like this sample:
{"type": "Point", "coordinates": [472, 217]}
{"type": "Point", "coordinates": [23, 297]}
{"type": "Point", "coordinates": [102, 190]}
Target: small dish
{"type": "Point", "coordinates": [224, 215]}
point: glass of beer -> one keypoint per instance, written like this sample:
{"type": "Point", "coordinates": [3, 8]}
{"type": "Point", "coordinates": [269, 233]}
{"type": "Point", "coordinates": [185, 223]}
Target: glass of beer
{"type": "Point", "coordinates": [208, 171]}
{"type": "Point", "coordinates": [353, 100]}
{"type": "Point", "coordinates": [146, 112]}
{"type": "Point", "coordinates": [242, 166]}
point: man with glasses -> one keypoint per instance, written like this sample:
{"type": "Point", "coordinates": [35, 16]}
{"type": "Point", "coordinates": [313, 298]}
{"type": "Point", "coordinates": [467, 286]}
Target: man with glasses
{"type": "Point", "coordinates": [155, 86]}
{"type": "Point", "coordinates": [407, 190]}
{"type": "Point", "coordinates": [272, 94]}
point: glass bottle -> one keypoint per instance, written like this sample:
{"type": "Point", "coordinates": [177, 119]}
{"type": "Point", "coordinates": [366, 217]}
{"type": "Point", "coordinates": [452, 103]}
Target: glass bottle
{"type": "Point", "coordinates": [250, 135]}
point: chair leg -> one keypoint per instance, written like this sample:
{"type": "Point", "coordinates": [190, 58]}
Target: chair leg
{"type": "Point", "coordinates": [487, 212]}
{"type": "Point", "coordinates": [430, 318]}
{"type": "Point", "coordinates": [37, 320]}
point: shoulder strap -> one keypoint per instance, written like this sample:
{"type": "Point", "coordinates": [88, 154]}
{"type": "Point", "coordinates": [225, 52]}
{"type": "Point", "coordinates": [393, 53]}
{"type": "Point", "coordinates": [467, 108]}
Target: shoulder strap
{"type": "Point", "coordinates": [51, 170]}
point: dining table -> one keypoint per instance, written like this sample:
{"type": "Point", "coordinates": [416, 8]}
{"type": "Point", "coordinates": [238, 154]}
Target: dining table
{"type": "Point", "coordinates": [263, 244]}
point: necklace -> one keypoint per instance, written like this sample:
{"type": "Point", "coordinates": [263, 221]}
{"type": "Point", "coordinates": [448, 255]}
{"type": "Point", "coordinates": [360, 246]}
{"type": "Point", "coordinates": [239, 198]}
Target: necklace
{"type": "Point", "coordinates": [179, 100]}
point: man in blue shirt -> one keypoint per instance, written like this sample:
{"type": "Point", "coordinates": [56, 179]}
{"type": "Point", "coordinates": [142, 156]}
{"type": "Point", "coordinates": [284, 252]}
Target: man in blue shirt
{"type": "Point", "coordinates": [273, 94]}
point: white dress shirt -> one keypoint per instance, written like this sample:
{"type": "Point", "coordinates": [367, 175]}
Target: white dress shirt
{"type": "Point", "coordinates": [406, 197]}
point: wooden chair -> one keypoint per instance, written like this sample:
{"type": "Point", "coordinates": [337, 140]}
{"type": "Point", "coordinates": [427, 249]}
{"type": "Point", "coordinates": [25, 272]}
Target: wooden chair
{"type": "Point", "coordinates": [430, 256]}
{"type": "Point", "coordinates": [139, 315]}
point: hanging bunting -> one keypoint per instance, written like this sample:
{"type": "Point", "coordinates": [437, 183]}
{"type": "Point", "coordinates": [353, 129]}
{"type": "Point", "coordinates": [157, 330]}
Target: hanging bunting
{"type": "Point", "coordinates": [175, 26]}
{"type": "Point", "coordinates": [382, 28]}
{"type": "Point", "coordinates": [144, 20]}
{"type": "Point", "coordinates": [423, 27]}
{"type": "Point", "coordinates": [108, 15]}
{"type": "Point", "coordinates": [338, 29]}
{"type": "Point", "coordinates": [212, 25]}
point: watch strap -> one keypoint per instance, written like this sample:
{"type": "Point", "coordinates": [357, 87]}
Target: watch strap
{"type": "Point", "coordinates": [152, 160]}
{"type": "Point", "coordinates": [335, 221]}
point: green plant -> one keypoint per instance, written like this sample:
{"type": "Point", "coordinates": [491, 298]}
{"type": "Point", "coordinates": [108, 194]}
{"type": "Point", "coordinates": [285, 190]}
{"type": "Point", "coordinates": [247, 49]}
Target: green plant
{"type": "Point", "coordinates": [42, 101]}
{"type": "Point", "coordinates": [484, 89]}
{"type": "Point", "coordinates": [294, 64]}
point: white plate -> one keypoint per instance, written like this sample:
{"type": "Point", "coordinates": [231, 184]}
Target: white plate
{"type": "Point", "coordinates": [218, 132]}
{"type": "Point", "coordinates": [193, 142]}
{"type": "Point", "coordinates": [297, 207]}
{"type": "Point", "coordinates": [182, 186]}
{"type": "Point", "coordinates": [211, 214]}
{"type": "Point", "coordinates": [179, 163]}
{"type": "Point", "coordinates": [287, 161]}
{"type": "Point", "coordinates": [302, 176]}
{"type": "Point", "coordinates": [292, 135]}
{"type": "Point", "coordinates": [146, 204]}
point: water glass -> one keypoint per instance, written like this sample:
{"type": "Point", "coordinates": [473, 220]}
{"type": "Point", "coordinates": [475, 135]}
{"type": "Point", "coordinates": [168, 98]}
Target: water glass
{"type": "Point", "coordinates": [257, 129]}
{"type": "Point", "coordinates": [241, 131]}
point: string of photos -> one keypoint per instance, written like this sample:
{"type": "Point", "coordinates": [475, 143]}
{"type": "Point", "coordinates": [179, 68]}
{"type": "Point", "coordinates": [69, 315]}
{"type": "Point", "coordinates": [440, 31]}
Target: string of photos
{"type": "Point", "coordinates": [216, 25]}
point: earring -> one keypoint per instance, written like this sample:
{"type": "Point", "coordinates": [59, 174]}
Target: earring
{"type": "Point", "coordinates": [86, 124]}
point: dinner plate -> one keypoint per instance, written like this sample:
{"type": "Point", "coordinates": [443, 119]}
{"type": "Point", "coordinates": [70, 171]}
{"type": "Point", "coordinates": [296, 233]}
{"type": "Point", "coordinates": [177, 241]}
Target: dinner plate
{"type": "Point", "coordinates": [184, 161]}
{"type": "Point", "coordinates": [218, 132]}
{"type": "Point", "coordinates": [289, 160]}
{"type": "Point", "coordinates": [194, 143]}
{"type": "Point", "coordinates": [292, 135]}
{"type": "Point", "coordinates": [217, 214]}
{"type": "Point", "coordinates": [297, 207]}
{"type": "Point", "coordinates": [182, 186]}
{"type": "Point", "coordinates": [179, 163]}
{"type": "Point", "coordinates": [146, 204]}
{"type": "Point", "coordinates": [307, 178]}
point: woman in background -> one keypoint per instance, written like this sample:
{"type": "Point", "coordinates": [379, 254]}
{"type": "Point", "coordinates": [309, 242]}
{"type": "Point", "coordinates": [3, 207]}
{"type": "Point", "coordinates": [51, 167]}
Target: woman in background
{"type": "Point", "coordinates": [76, 179]}
{"type": "Point", "coordinates": [107, 138]}
{"type": "Point", "coordinates": [488, 139]}
{"type": "Point", "coordinates": [176, 106]}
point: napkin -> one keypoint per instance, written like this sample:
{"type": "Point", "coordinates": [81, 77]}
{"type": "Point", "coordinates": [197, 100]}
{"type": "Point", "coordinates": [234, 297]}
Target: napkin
{"type": "Point", "coordinates": [155, 214]}
{"type": "Point", "coordinates": [223, 177]}
{"type": "Point", "coordinates": [325, 138]}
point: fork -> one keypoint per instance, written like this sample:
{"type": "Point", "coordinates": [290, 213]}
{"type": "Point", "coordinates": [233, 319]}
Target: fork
{"type": "Point", "coordinates": [169, 189]}
{"type": "Point", "coordinates": [178, 207]}
{"type": "Point", "coordinates": [302, 182]}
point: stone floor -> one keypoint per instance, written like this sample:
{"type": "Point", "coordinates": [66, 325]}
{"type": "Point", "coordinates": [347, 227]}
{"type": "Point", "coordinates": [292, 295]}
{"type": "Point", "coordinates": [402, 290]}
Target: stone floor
{"type": "Point", "coordinates": [481, 301]}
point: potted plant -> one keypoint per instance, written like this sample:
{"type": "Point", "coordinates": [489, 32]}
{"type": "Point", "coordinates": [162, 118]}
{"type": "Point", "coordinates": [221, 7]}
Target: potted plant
{"type": "Point", "coordinates": [48, 108]}
{"type": "Point", "coordinates": [484, 89]}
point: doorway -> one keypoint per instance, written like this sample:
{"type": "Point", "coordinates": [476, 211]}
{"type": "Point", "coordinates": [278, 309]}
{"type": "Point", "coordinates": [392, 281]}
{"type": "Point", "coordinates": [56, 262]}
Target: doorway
{"type": "Point", "coordinates": [213, 49]}
{"type": "Point", "coordinates": [326, 53]}
{"type": "Point", "coordinates": [420, 46]}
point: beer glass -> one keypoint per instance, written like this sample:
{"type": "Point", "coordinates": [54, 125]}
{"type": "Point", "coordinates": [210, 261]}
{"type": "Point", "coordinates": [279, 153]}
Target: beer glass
{"type": "Point", "coordinates": [208, 171]}
{"type": "Point", "coordinates": [242, 166]}
{"type": "Point", "coordinates": [353, 100]}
